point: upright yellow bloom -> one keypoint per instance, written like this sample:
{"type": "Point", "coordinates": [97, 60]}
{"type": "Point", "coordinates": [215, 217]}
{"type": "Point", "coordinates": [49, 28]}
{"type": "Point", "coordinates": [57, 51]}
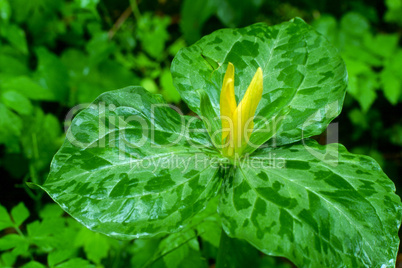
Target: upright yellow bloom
{"type": "Point", "coordinates": [237, 121]}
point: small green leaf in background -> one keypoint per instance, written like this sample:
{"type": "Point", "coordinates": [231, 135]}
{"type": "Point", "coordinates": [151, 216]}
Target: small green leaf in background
{"type": "Point", "coordinates": [394, 12]}
{"type": "Point", "coordinates": [11, 241]}
{"type": "Point", "coordinates": [392, 85]}
{"type": "Point", "coordinates": [17, 102]}
{"type": "Point", "coordinates": [237, 12]}
{"type": "Point", "coordinates": [52, 74]}
{"type": "Point", "coordinates": [88, 4]}
{"type": "Point", "coordinates": [150, 85]}
{"type": "Point", "coordinates": [236, 253]}
{"type": "Point", "coordinates": [51, 211]}
{"type": "Point", "coordinates": [10, 128]}
{"type": "Point", "coordinates": [5, 220]}
{"type": "Point", "coordinates": [396, 135]}
{"type": "Point", "coordinates": [96, 246]}
{"type": "Point", "coordinates": [41, 138]}
{"type": "Point", "coordinates": [383, 45]}
{"type": "Point", "coordinates": [5, 10]}
{"type": "Point", "coordinates": [99, 48]}
{"type": "Point", "coordinates": [181, 250]}
{"type": "Point", "coordinates": [58, 256]}
{"type": "Point", "coordinates": [19, 214]}
{"type": "Point", "coordinates": [8, 259]}
{"type": "Point", "coordinates": [153, 34]}
{"type": "Point", "coordinates": [143, 251]}
{"type": "Point", "coordinates": [76, 262]}
{"type": "Point", "coordinates": [169, 91]}
{"type": "Point", "coordinates": [391, 77]}
{"type": "Point", "coordinates": [33, 264]}
{"type": "Point", "coordinates": [15, 36]}
{"type": "Point", "coordinates": [364, 52]}
{"type": "Point", "coordinates": [193, 16]}
{"type": "Point", "coordinates": [28, 87]}
{"type": "Point", "coordinates": [12, 65]}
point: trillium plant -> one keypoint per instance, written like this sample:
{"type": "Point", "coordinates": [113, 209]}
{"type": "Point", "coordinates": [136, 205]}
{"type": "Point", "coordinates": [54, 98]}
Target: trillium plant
{"type": "Point", "coordinates": [133, 166]}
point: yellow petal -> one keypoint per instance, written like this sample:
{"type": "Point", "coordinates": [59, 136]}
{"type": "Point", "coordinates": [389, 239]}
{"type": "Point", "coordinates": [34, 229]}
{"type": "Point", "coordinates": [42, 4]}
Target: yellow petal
{"type": "Point", "coordinates": [244, 114]}
{"type": "Point", "coordinates": [227, 101]}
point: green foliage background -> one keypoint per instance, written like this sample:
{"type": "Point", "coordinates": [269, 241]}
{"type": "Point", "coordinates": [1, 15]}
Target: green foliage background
{"type": "Point", "coordinates": [56, 54]}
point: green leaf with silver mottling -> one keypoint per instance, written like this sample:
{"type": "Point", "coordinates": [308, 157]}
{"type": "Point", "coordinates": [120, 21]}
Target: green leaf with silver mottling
{"type": "Point", "coordinates": [133, 167]}
{"type": "Point", "coordinates": [302, 70]}
{"type": "Point", "coordinates": [319, 206]}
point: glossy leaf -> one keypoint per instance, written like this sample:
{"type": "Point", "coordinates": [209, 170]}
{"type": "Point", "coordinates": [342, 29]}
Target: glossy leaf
{"type": "Point", "coordinates": [129, 168]}
{"type": "Point", "coordinates": [319, 206]}
{"type": "Point", "coordinates": [301, 71]}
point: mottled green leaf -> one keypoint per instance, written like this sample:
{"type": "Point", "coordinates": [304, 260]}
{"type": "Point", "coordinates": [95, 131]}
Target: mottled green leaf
{"type": "Point", "coordinates": [301, 71]}
{"type": "Point", "coordinates": [319, 206]}
{"type": "Point", "coordinates": [132, 167]}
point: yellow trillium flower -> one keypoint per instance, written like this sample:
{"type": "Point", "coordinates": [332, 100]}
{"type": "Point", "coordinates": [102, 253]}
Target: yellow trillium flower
{"type": "Point", "coordinates": [237, 120]}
